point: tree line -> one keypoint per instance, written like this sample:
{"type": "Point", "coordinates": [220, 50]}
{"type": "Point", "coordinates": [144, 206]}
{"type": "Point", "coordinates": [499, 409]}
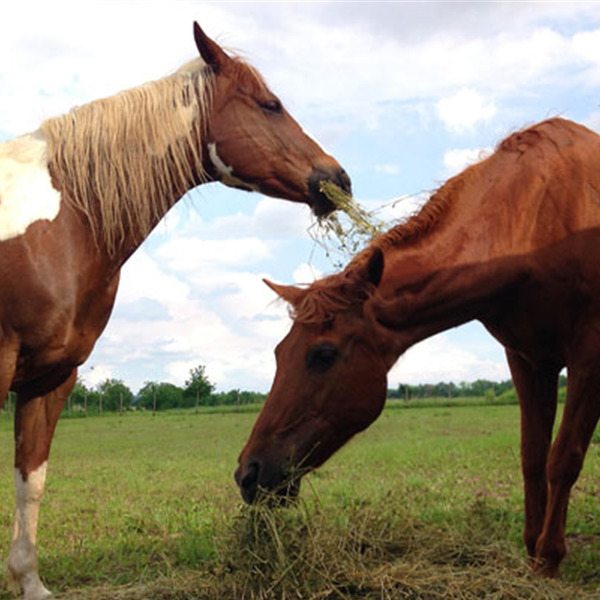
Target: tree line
{"type": "Point", "coordinates": [466, 389]}
{"type": "Point", "coordinates": [113, 395]}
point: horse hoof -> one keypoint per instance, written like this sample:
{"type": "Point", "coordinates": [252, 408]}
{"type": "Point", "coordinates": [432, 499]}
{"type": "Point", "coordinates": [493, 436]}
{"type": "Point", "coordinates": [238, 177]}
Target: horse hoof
{"type": "Point", "coordinates": [545, 568]}
{"type": "Point", "coordinates": [40, 594]}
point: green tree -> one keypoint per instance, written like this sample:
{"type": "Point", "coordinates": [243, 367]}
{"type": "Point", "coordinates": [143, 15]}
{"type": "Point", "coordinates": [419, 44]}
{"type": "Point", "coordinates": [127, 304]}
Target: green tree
{"type": "Point", "coordinates": [79, 397]}
{"type": "Point", "coordinates": [115, 394]}
{"type": "Point", "coordinates": [78, 394]}
{"type": "Point", "coordinates": [160, 396]}
{"type": "Point", "coordinates": [198, 388]}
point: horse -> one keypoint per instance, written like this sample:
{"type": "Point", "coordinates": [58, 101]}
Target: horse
{"type": "Point", "coordinates": [514, 242]}
{"type": "Point", "coordinates": [81, 193]}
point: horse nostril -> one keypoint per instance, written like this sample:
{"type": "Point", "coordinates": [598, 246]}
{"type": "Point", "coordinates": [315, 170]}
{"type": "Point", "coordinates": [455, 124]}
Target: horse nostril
{"type": "Point", "coordinates": [343, 180]}
{"type": "Point", "coordinates": [248, 480]}
{"type": "Point", "coordinates": [250, 477]}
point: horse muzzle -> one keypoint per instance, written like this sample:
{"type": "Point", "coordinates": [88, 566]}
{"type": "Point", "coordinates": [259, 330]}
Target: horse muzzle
{"type": "Point", "coordinates": [261, 483]}
{"type": "Point", "coordinates": [320, 204]}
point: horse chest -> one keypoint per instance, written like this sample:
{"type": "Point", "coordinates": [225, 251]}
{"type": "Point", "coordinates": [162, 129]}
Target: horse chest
{"type": "Point", "coordinates": [536, 325]}
{"type": "Point", "coordinates": [26, 191]}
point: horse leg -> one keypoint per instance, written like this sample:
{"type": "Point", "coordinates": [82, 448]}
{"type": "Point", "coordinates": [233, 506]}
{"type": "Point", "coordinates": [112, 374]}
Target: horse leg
{"type": "Point", "coordinates": [8, 363]}
{"type": "Point", "coordinates": [537, 390]}
{"type": "Point", "coordinates": [582, 410]}
{"type": "Point", "coordinates": [35, 422]}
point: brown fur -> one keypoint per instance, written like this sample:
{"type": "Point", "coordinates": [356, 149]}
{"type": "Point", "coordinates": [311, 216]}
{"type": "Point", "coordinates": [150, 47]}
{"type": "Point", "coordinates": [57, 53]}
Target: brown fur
{"type": "Point", "coordinates": [513, 242]}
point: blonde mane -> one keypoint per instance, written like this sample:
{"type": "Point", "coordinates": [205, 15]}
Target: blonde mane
{"type": "Point", "coordinates": [124, 160]}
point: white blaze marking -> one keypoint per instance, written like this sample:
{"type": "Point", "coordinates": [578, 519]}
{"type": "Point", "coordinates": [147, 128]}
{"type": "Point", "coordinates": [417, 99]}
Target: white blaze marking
{"type": "Point", "coordinates": [26, 192]}
{"type": "Point", "coordinates": [22, 560]}
{"type": "Point", "coordinates": [226, 173]}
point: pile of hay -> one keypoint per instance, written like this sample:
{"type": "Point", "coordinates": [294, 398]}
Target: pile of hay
{"type": "Point", "coordinates": [367, 552]}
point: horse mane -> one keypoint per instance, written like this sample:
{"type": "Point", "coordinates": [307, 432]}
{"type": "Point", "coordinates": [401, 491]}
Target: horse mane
{"type": "Point", "coordinates": [340, 291]}
{"type": "Point", "coordinates": [120, 159]}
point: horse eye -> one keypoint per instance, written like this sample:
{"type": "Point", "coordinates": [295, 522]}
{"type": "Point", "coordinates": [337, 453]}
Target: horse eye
{"type": "Point", "coordinates": [321, 358]}
{"type": "Point", "coordinates": [271, 106]}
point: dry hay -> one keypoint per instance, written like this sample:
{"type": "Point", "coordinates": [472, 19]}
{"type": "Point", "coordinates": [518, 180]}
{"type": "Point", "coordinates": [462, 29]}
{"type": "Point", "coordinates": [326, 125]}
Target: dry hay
{"type": "Point", "coordinates": [362, 552]}
{"type": "Point", "coordinates": [352, 226]}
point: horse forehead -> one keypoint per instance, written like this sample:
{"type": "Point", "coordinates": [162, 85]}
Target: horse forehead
{"type": "Point", "coordinates": [26, 191]}
{"type": "Point", "coordinates": [307, 334]}
{"type": "Point", "coordinates": [247, 77]}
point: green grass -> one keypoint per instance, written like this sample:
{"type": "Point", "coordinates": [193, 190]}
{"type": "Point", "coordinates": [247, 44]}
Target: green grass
{"type": "Point", "coordinates": [425, 504]}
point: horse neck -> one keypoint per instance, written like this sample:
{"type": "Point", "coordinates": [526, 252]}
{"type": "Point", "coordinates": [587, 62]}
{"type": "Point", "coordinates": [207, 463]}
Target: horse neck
{"type": "Point", "coordinates": [457, 271]}
{"type": "Point", "coordinates": [124, 161]}
{"type": "Point", "coordinates": [506, 221]}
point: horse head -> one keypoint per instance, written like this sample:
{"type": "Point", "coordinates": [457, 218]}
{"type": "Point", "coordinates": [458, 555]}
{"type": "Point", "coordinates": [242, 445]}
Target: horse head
{"type": "Point", "coordinates": [253, 143]}
{"type": "Point", "coordinates": [330, 383]}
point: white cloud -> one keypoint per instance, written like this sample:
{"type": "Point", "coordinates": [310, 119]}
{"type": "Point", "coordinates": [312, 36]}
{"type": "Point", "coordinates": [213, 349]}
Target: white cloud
{"type": "Point", "coordinates": [306, 273]}
{"type": "Point", "coordinates": [458, 159]}
{"type": "Point", "coordinates": [193, 254]}
{"type": "Point", "coordinates": [57, 62]}
{"type": "Point", "coordinates": [464, 109]}
{"type": "Point", "coordinates": [437, 359]}
{"type": "Point", "coordinates": [586, 45]}
{"type": "Point", "coordinates": [354, 71]}
{"type": "Point", "coordinates": [95, 374]}
{"type": "Point", "coordinates": [270, 218]}
{"type": "Point", "coordinates": [223, 318]}
{"type": "Point", "coordinates": [143, 278]}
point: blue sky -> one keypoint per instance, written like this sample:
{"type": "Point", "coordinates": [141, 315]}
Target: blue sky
{"type": "Point", "coordinates": [403, 94]}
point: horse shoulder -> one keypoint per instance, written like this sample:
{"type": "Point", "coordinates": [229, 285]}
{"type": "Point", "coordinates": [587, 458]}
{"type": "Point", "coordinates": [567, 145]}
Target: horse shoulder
{"type": "Point", "coordinates": [26, 191]}
{"type": "Point", "coordinates": [58, 294]}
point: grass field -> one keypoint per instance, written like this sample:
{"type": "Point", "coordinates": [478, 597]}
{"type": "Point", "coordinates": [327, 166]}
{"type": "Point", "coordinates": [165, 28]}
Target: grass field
{"type": "Point", "coordinates": [426, 504]}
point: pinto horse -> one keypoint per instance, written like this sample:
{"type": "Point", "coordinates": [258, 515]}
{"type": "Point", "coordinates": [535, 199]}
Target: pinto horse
{"type": "Point", "coordinates": [79, 195]}
{"type": "Point", "coordinates": [514, 242]}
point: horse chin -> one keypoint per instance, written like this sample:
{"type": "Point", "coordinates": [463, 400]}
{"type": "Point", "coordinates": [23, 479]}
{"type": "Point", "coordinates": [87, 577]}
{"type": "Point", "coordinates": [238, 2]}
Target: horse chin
{"type": "Point", "coordinates": [320, 205]}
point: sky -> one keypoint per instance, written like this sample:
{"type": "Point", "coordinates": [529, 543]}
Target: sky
{"type": "Point", "coordinates": [403, 94]}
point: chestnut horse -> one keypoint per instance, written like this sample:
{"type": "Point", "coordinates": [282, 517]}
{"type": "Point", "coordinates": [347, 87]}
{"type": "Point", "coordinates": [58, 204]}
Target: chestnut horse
{"type": "Point", "coordinates": [514, 242]}
{"type": "Point", "coordinates": [77, 198]}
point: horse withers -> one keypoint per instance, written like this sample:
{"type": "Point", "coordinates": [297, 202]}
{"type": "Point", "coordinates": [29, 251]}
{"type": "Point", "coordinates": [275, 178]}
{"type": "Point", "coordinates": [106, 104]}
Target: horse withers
{"type": "Point", "coordinates": [79, 195]}
{"type": "Point", "coordinates": [514, 242]}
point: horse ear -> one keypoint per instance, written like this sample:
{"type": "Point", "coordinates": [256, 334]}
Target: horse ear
{"type": "Point", "coordinates": [210, 51]}
{"type": "Point", "coordinates": [374, 268]}
{"type": "Point", "coordinates": [289, 293]}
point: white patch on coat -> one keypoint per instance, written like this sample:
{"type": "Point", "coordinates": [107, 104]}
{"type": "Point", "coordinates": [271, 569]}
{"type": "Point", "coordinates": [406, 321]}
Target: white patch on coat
{"type": "Point", "coordinates": [26, 192]}
{"type": "Point", "coordinates": [22, 560]}
{"type": "Point", "coordinates": [226, 172]}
